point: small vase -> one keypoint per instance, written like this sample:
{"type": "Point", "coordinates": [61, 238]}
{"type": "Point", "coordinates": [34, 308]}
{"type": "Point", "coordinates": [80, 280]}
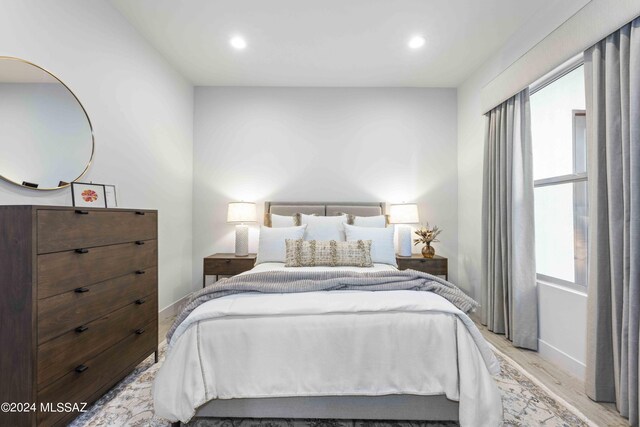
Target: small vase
{"type": "Point", "coordinates": [428, 251]}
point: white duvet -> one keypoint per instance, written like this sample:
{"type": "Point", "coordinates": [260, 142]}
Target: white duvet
{"type": "Point", "coordinates": [326, 343]}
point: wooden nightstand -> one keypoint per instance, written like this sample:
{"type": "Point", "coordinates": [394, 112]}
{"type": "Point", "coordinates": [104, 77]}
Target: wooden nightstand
{"type": "Point", "coordinates": [438, 266]}
{"type": "Point", "coordinates": [226, 265]}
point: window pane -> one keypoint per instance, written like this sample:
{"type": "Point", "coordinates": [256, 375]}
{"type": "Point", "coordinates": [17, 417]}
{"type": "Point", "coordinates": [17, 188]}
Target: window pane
{"type": "Point", "coordinates": [552, 126]}
{"type": "Point", "coordinates": [561, 231]}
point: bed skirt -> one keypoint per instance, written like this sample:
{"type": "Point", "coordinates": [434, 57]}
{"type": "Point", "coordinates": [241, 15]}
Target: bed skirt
{"type": "Point", "coordinates": [390, 407]}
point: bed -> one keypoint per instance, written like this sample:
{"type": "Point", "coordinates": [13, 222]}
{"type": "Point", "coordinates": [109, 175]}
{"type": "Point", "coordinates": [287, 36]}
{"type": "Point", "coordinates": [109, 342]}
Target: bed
{"type": "Point", "coordinates": [388, 355]}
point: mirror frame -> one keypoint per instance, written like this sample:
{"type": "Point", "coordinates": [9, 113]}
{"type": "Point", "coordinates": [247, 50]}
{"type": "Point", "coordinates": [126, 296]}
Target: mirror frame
{"type": "Point", "coordinates": [93, 140]}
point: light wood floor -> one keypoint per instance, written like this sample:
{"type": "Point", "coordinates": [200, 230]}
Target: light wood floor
{"type": "Point", "coordinates": [163, 328]}
{"type": "Point", "coordinates": [560, 382]}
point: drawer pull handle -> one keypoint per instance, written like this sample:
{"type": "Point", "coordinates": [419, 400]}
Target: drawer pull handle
{"type": "Point", "coordinates": [140, 213]}
{"type": "Point", "coordinates": [228, 261]}
{"type": "Point", "coordinates": [81, 290]}
{"type": "Point", "coordinates": [80, 369]}
{"type": "Point", "coordinates": [82, 251]}
{"type": "Point", "coordinates": [81, 212]}
{"type": "Point", "coordinates": [140, 331]}
{"type": "Point", "coordinates": [140, 272]}
{"type": "Point", "coordinates": [139, 242]}
{"type": "Point", "coordinates": [82, 328]}
{"type": "Point", "coordinates": [141, 301]}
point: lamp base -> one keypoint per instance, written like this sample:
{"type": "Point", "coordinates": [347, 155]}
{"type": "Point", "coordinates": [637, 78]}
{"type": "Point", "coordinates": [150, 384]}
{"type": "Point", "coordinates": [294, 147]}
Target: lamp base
{"type": "Point", "coordinates": [242, 240]}
{"type": "Point", "coordinates": [404, 240]}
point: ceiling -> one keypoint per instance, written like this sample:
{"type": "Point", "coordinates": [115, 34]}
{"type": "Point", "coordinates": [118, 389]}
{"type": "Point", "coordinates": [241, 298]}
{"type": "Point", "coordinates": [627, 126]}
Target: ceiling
{"type": "Point", "coordinates": [328, 42]}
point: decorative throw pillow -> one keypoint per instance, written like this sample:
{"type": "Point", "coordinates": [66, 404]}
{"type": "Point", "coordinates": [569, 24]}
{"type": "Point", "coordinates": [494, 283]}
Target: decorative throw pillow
{"type": "Point", "coordinates": [324, 227]}
{"type": "Point", "coordinates": [382, 247]}
{"type": "Point", "coordinates": [313, 253]}
{"type": "Point", "coordinates": [378, 221]}
{"type": "Point", "coordinates": [277, 221]}
{"type": "Point", "coordinates": [271, 246]}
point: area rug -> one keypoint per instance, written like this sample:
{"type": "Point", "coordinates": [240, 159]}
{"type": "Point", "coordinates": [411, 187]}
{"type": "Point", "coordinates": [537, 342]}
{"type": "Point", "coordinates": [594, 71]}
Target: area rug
{"type": "Point", "coordinates": [526, 402]}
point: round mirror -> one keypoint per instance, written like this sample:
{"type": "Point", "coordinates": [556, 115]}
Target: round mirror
{"type": "Point", "coordinates": [46, 138]}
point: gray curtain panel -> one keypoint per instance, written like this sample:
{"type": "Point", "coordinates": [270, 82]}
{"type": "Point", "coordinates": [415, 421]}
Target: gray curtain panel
{"type": "Point", "coordinates": [509, 296]}
{"type": "Point", "coordinates": [612, 76]}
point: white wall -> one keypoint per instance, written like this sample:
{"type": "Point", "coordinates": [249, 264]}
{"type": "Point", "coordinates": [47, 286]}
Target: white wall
{"type": "Point", "coordinates": [323, 144]}
{"type": "Point", "coordinates": [562, 311]}
{"type": "Point", "coordinates": [141, 110]}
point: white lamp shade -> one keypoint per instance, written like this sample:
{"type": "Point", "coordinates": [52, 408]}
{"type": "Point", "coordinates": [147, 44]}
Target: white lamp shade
{"type": "Point", "coordinates": [406, 213]}
{"type": "Point", "coordinates": [241, 212]}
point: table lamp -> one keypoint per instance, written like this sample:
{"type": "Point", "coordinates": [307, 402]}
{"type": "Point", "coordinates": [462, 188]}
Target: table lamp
{"type": "Point", "coordinates": [240, 213]}
{"type": "Point", "coordinates": [405, 213]}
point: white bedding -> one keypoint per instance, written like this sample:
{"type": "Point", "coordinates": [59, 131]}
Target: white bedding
{"type": "Point", "coordinates": [325, 343]}
{"type": "Point", "coordinates": [272, 266]}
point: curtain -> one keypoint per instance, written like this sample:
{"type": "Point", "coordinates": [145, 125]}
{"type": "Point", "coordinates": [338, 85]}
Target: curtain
{"type": "Point", "coordinates": [612, 77]}
{"type": "Point", "coordinates": [509, 297]}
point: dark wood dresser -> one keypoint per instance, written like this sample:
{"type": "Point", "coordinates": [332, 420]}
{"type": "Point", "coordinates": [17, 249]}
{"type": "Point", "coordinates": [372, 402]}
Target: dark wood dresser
{"type": "Point", "coordinates": [78, 306]}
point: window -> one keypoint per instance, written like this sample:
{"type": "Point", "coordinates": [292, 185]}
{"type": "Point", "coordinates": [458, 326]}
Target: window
{"type": "Point", "coordinates": [558, 127]}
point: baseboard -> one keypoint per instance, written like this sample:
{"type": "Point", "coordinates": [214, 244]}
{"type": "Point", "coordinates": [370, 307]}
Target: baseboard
{"type": "Point", "coordinates": [172, 310]}
{"type": "Point", "coordinates": [561, 359]}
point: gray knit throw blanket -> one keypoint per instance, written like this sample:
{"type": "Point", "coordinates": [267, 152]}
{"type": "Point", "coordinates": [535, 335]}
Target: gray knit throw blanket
{"type": "Point", "coordinates": [278, 282]}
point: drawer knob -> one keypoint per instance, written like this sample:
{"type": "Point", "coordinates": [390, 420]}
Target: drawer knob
{"type": "Point", "coordinates": [140, 213]}
{"type": "Point", "coordinates": [81, 290]}
{"type": "Point", "coordinates": [81, 212]}
{"type": "Point", "coordinates": [82, 251]}
{"type": "Point", "coordinates": [140, 331]}
{"type": "Point", "coordinates": [141, 301]}
{"type": "Point", "coordinates": [80, 369]}
{"type": "Point", "coordinates": [227, 261]}
{"type": "Point", "coordinates": [140, 272]}
{"type": "Point", "coordinates": [139, 242]}
{"type": "Point", "coordinates": [82, 328]}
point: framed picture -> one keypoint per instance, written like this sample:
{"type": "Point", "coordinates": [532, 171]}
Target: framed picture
{"type": "Point", "coordinates": [110, 195]}
{"type": "Point", "coordinates": [88, 195]}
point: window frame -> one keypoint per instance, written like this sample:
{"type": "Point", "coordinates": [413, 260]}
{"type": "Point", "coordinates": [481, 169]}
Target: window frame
{"type": "Point", "coordinates": [573, 178]}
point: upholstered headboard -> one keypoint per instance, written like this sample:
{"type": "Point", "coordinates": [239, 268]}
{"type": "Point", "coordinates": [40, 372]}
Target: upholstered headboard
{"type": "Point", "coordinates": [325, 208]}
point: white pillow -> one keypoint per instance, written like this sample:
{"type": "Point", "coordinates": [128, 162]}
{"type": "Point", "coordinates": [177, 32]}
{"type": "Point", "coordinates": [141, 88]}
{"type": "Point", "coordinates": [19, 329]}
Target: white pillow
{"type": "Point", "coordinates": [378, 221]}
{"type": "Point", "coordinates": [271, 243]}
{"type": "Point", "coordinates": [382, 248]}
{"type": "Point", "coordinates": [278, 221]}
{"type": "Point", "coordinates": [324, 227]}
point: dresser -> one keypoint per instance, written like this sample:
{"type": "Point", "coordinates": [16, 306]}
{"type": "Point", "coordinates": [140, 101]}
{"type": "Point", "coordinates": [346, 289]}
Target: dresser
{"type": "Point", "coordinates": [78, 306]}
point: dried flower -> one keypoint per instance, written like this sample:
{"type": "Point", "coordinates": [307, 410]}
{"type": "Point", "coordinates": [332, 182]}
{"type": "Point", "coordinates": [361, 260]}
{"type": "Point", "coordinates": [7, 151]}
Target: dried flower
{"type": "Point", "coordinates": [427, 235]}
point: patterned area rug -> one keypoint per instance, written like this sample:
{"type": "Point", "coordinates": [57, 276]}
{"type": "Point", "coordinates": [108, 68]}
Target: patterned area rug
{"type": "Point", "coordinates": [526, 402]}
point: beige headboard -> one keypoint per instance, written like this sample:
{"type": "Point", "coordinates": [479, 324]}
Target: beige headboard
{"type": "Point", "coordinates": [325, 208]}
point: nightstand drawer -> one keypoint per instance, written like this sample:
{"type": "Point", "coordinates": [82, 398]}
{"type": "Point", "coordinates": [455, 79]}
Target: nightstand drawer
{"type": "Point", "coordinates": [438, 266]}
{"type": "Point", "coordinates": [227, 267]}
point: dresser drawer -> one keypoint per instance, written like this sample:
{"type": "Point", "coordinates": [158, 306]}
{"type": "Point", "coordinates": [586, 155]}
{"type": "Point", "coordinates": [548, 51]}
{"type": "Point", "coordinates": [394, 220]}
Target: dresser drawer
{"type": "Point", "coordinates": [227, 267]}
{"type": "Point", "coordinates": [105, 368]}
{"type": "Point", "coordinates": [65, 271]}
{"type": "Point", "coordinates": [65, 312]}
{"type": "Point", "coordinates": [61, 230]}
{"type": "Point", "coordinates": [62, 354]}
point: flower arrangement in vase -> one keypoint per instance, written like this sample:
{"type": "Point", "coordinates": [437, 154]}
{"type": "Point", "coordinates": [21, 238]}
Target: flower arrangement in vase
{"type": "Point", "coordinates": [427, 236]}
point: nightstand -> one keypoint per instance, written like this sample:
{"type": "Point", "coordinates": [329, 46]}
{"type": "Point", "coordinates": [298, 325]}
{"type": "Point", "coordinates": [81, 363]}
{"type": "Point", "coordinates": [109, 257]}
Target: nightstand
{"type": "Point", "coordinates": [438, 265]}
{"type": "Point", "coordinates": [226, 265]}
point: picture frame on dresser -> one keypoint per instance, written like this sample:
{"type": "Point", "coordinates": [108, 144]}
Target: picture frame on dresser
{"type": "Point", "coordinates": [110, 195]}
{"type": "Point", "coordinates": [88, 195]}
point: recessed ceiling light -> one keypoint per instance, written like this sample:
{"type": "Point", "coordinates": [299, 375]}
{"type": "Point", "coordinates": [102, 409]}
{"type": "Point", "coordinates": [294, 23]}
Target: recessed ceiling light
{"type": "Point", "coordinates": [238, 42]}
{"type": "Point", "coordinates": [416, 42]}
